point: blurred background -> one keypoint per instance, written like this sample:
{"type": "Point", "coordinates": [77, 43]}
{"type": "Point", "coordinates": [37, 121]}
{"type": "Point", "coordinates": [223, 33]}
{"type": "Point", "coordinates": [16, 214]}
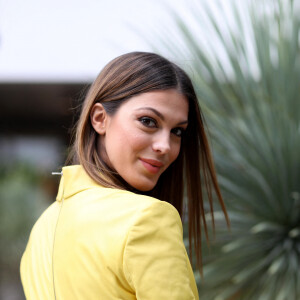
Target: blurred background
{"type": "Point", "coordinates": [244, 60]}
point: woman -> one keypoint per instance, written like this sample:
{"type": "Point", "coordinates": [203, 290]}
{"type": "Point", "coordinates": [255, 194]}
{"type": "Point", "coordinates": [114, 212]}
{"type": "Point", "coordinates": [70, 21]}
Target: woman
{"type": "Point", "coordinates": [115, 230]}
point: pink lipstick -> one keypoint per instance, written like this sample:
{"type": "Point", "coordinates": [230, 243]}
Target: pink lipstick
{"type": "Point", "coordinates": [152, 165]}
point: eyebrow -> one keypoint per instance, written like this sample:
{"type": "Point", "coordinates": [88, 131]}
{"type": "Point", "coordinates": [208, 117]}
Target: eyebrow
{"type": "Point", "coordinates": [160, 115]}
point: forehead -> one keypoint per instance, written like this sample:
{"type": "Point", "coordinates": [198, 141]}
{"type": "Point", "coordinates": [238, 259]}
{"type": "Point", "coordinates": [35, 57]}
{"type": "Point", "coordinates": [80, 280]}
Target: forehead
{"type": "Point", "coordinates": [167, 102]}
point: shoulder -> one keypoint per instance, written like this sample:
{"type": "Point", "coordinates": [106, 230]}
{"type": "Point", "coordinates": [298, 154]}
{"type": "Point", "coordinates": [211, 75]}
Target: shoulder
{"type": "Point", "coordinates": [146, 207]}
{"type": "Point", "coordinates": [145, 213]}
{"type": "Point", "coordinates": [140, 204]}
{"type": "Point", "coordinates": [154, 218]}
{"type": "Point", "coordinates": [120, 208]}
{"type": "Point", "coordinates": [157, 218]}
{"type": "Point", "coordinates": [155, 259]}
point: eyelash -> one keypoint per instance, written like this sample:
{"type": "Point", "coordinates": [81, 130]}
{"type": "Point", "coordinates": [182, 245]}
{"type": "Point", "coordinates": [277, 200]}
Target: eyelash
{"type": "Point", "coordinates": [146, 120]}
{"type": "Point", "coordinates": [182, 130]}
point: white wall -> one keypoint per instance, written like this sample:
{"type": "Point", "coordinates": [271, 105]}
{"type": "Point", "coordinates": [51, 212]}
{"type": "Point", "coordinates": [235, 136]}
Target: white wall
{"type": "Point", "coordinates": [71, 40]}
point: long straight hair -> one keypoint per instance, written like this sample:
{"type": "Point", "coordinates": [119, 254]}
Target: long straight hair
{"type": "Point", "coordinates": [192, 172]}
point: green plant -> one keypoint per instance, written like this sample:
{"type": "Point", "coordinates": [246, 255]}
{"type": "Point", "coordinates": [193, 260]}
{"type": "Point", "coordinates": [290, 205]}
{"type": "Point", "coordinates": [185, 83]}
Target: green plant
{"type": "Point", "coordinates": [247, 76]}
{"type": "Point", "coordinates": [21, 201]}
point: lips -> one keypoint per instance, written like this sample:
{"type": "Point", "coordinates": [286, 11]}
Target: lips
{"type": "Point", "coordinates": [152, 165]}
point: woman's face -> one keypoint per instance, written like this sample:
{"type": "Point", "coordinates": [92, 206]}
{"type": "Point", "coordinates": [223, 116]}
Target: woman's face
{"type": "Point", "coordinates": [143, 137]}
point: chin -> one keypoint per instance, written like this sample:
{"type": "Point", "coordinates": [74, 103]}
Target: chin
{"type": "Point", "coordinates": [144, 186]}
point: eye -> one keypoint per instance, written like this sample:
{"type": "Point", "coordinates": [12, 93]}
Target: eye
{"type": "Point", "coordinates": [178, 131]}
{"type": "Point", "coordinates": [148, 122]}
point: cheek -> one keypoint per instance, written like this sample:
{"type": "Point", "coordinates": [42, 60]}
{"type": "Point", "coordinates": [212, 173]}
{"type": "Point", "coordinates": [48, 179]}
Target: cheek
{"type": "Point", "coordinates": [126, 145]}
{"type": "Point", "coordinates": [135, 140]}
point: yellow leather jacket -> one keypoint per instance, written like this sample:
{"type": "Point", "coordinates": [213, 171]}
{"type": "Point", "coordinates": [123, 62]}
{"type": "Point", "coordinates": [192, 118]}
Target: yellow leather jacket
{"type": "Point", "coordinates": [103, 243]}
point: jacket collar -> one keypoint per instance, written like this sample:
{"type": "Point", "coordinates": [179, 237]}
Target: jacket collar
{"type": "Point", "coordinates": [74, 180]}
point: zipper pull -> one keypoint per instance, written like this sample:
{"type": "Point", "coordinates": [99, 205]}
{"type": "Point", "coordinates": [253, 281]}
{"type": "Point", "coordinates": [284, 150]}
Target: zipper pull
{"type": "Point", "coordinates": [56, 173]}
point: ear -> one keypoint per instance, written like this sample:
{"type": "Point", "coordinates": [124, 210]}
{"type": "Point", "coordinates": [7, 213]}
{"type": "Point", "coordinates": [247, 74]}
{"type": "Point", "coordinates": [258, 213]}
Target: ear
{"type": "Point", "coordinates": [99, 118]}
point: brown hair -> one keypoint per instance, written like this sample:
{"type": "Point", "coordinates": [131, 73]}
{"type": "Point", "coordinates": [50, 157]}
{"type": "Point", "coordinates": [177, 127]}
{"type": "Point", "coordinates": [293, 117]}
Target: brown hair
{"type": "Point", "coordinates": [140, 72]}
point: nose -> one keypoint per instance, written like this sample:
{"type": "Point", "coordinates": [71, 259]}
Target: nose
{"type": "Point", "coordinates": [162, 143]}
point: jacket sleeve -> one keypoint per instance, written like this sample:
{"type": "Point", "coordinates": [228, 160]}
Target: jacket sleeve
{"type": "Point", "coordinates": [156, 264]}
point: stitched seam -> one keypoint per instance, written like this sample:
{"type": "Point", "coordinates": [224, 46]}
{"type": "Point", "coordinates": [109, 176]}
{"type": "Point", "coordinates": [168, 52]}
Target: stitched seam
{"type": "Point", "coordinates": [138, 217]}
{"type": "Point", "coordinates": [53, 280]}
{"type": "Point", "coordinates": [126, 267]}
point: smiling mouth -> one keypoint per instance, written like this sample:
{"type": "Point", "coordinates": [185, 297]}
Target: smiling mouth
{"type": "Point", "coordinates": [153, 166]}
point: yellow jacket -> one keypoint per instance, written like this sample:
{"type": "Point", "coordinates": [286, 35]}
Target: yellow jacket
{"type": "Point", "coordinates": [103, 243]}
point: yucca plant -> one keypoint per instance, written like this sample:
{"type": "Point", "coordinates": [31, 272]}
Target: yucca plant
{"type": "Point", "coordinates": [246, 70]}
